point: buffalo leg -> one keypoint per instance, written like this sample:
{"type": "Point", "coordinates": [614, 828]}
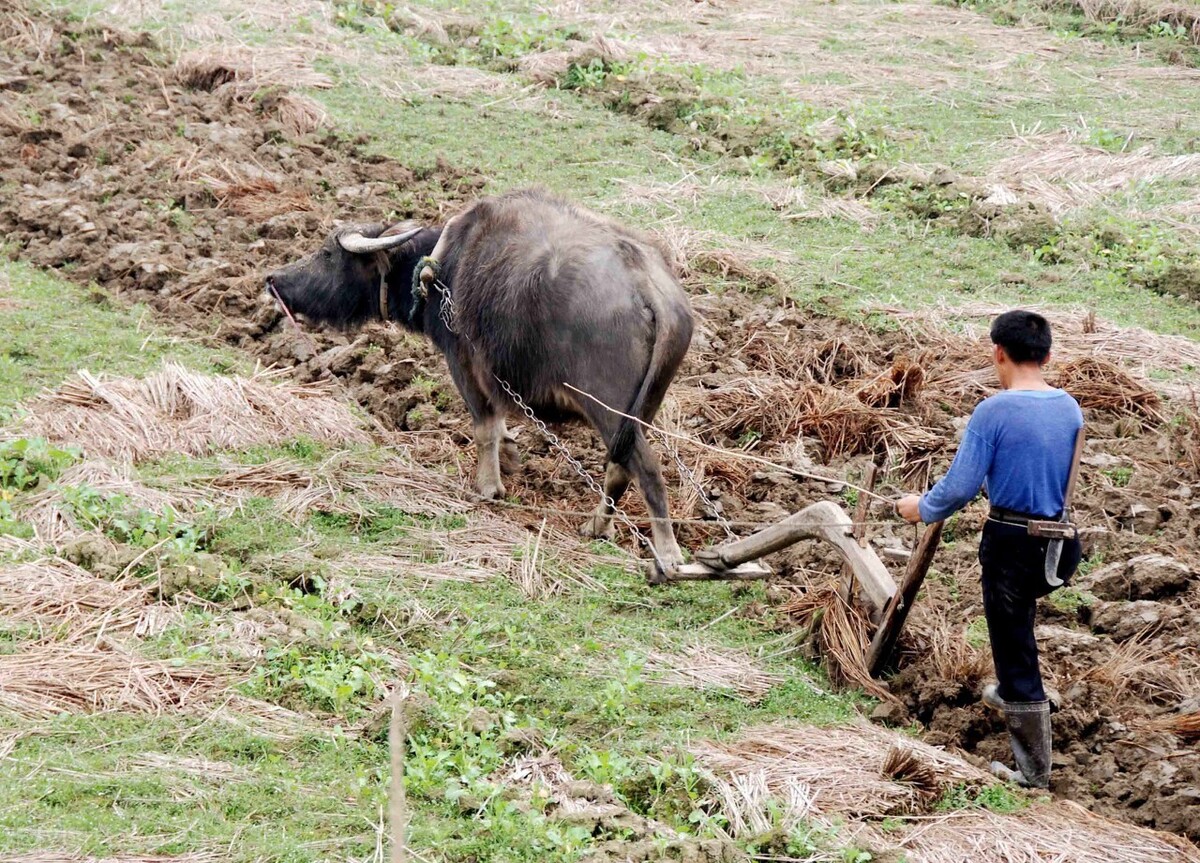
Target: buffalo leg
{"type": "Point", "coordinates": [645, 467]}
{"type": "Point", "coordinates": [510, 456]}
{"type": "Point", "coordinates": [489, 432]}
{"type": "Point", "coordinates": [616, 481]}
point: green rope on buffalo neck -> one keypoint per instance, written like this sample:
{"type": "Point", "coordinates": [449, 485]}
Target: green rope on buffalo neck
{"type": "Point", "coordinates": [420, 291]}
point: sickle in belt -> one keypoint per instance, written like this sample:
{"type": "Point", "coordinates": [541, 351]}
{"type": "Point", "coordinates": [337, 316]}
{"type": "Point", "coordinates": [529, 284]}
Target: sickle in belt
{"type": "Point", "coordinates": [1063, 529]}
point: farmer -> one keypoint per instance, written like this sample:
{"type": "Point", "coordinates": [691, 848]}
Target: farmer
{"type": "Point", "coordinates": [1020, 446]}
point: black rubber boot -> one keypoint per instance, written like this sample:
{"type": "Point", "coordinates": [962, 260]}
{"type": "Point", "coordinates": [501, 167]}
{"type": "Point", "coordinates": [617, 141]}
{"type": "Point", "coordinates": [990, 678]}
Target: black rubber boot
{"type": "Point", "coordinates": [1029, 734]}
{"type": "Point", "coordinates": [991, 697]}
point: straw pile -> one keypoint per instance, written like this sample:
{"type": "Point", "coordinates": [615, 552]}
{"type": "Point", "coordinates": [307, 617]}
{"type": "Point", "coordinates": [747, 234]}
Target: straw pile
{"type": "Point", "coordinates": [1077, 335]}
{"type": "Point", "coordinates": [50, 679]}
{"type": "Point", "coordinates": [780, 410]}
{"type": "Point", "coordinates": [1185, 725]}
{"type": "Point", "coordinates": [1061, 175]}
{"type": "Point", "coordinates": [67, 857]}
{"type": "Point", "coordinates": [1155, 675]}
{"type": "Point", "coordinates": [1097, 383]}
{"type": "Point", "coordinates": [1059, 831]}
{"type": "Point", "coordinates": [839, 632]}
{"type": "Point", "coordinates": [1138, 13]}
{"type": "Point", "coordinates": [54, 594]}
{"type": "Point", "coordinates": [257, 197]}
{"type": "Point", "coordinates": [946, 649]}
{"type": "Point", "coordinates": [247, 69]}
{"type": "Point", "coordinates": [486, 548]}
{"type": "Point", "coordinates": [861, 772]}
{"type": "Point", "coordinates": [843, 767]}
{"type": "Point", "coordinates": [701, 667]}
{"type": "Point", "coordinates": [176, 410]}
{"type": "Point", "coordinates": [343, 483]}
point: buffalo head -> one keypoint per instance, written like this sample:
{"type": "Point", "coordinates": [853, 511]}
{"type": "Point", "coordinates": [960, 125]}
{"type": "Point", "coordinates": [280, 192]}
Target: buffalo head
{"type": "Point", "coordinates": [339, 283]}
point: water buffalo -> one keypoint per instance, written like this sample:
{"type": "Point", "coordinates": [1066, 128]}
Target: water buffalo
{"type": "Point", "coordinates": [544, 294]}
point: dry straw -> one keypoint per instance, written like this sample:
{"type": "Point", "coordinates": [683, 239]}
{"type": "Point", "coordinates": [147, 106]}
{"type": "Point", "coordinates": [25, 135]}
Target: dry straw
{"type": "Point", "coordinates": [703, 667]}
{"type": "Point", "coordinates": [842, 766]}
{"type": "Point", "coordinates": [860, 772]}
{"type": "Point", "coordinates": [1143, 667]}
{"type": "Point", "coordinates": [1185, 725]}
{"type": "Point", "coordinates": [1138, 13]}
{"type": "Point", "coordinates": [256, 197]}
{"type": "Point", "coordinates": [487, 547]}
{"type": "Point", "coordinates": [1078, 335]}
{"type": "Point", "coordinates": [50, 679]}
{"type": "Point", "coordinates": [840, 633]}
{"type": "Point", "coordinates": [1061, 830]}
{"type": "Point", "coordinates": [247, 68]}
{"type": "Point", "coordinates": [67, 857]}
{"type": "Point", "coordinates": [177, 411]}
{"type": "Point", "coordinates": [346, 482]}
{"type": "Point", "coordinates": [62, 599]}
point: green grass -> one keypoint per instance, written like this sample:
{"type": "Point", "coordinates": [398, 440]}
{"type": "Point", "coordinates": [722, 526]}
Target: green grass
{"type": "Point", "coordinates": [491, 668]}
{"type": "Point", "coordinates": [53, 328]}
{"type": "Point", "coordinates": [568, 670]}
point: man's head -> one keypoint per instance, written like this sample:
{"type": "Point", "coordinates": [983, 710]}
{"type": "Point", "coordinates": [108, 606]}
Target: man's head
{"type": "Point", "coordinates": [1022, 344]}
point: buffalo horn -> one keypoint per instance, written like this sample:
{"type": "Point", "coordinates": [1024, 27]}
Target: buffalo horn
{"type": "Point", "coordinates": [358, 244]}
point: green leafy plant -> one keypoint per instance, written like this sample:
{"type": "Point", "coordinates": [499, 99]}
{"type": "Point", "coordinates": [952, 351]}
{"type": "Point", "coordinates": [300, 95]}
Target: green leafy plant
{"type": "Point", "coordinates": [340, 679]}
{"type": "Point", "coordinates": [28, 462]}
{"type": "Point", "coordinates": [117, 517]}
{"type": "Point", "coordinates": [1120, 477]}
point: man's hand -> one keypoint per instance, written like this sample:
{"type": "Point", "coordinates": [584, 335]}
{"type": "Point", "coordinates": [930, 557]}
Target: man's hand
{"type": "Point", "coordinates": [909, 508]}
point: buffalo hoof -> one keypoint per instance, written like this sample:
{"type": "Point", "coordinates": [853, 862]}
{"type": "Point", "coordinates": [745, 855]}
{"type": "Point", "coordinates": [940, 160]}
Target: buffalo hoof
{"type": "Point", "coordinates": [658, 572]}
{"type": "Point", "coordinates": [510, 457]}
{"type": "Point", "coordinates": [598, 528]}
{"type": "Point", "coordinates": [491, 491]}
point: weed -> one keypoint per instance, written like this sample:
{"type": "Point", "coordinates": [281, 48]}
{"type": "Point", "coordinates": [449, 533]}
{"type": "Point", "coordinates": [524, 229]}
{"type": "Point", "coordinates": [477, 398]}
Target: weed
{"type": "Point", "coordinates": [976, 634]}
{"type": "Point", "coordinates": [341, 679]}
{"type": "Point", "coordinates": [10, 525]}
{"type": "Point", "coordinates": [1107, 139]}
{"type": "Point", "coordinates": [29, 463]}
{"type": "Point", "coordinates": [116, 517]}
{"type": "Point", "coordinates": [1069, 600]}
{"type": "Point", "coordinates": [1001, 799]}
{"type": "Point", "coordinates": [1118, 476]}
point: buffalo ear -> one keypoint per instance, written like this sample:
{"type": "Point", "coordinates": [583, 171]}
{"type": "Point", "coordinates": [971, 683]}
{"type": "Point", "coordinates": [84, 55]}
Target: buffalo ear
{"type": "Point", "coordinates": [397, 235]}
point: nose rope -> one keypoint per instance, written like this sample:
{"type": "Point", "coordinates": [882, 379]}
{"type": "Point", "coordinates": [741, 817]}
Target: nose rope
{"type": "Point", "coordinates": [300, 330]}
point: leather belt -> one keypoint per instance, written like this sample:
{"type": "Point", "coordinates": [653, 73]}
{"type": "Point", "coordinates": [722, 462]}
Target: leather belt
{"type": "Point", "coordinates": [1014, 517]}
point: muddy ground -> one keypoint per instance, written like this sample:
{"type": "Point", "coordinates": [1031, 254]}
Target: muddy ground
{"type": "Point", "coordinates": [182, 192]}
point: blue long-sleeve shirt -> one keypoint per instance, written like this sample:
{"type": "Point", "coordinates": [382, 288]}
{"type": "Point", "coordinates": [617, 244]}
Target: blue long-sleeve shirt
{"type": "Point", "coordinates": [1018, 445]}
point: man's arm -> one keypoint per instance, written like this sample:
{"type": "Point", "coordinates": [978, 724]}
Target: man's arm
{"type": "Point", "coordinates": [957, 488]}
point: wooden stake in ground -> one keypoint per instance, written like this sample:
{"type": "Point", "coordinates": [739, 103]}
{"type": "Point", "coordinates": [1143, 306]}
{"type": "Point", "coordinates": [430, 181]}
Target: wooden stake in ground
{"type": "Point", "coordinates": [397, 804]}
{"type": "Point", "coordinates": [884, 642]}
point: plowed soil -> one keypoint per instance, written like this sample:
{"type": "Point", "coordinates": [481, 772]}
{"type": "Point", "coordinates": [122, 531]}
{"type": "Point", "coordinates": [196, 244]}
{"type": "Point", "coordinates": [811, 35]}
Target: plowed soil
{"type": "Point", "coordinates": [118, 175]}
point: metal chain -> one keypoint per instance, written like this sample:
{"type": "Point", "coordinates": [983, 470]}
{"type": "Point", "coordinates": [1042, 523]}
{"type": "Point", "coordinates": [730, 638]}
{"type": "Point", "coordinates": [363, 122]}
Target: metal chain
{"type": "Point", "coordinates": [449, 313]}
{"type": "Point", "coordinates": [558, 446]}
{"type": "Point", "coordinates": [711, 506]}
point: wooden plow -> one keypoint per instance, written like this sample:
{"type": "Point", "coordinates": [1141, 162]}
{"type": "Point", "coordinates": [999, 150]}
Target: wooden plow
{"type": "Point", "coordinates": [863, 573]}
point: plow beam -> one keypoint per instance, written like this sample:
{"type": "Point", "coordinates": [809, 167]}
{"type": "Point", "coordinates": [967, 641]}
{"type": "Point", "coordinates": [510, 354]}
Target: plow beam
{"type": "Point", "coordinates": [826, 521]}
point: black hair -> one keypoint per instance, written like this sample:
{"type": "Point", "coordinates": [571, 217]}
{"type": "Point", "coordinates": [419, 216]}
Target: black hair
{"type": "Point", "coordinates": [1025, 336]}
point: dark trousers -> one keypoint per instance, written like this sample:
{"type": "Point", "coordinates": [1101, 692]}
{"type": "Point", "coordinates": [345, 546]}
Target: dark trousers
{"type": "Point", "coordinates": [1014, 578]}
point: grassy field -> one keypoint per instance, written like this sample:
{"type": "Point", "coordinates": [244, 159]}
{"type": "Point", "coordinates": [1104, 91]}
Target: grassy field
{"type": "Point", "coordinates": [870, 154]}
